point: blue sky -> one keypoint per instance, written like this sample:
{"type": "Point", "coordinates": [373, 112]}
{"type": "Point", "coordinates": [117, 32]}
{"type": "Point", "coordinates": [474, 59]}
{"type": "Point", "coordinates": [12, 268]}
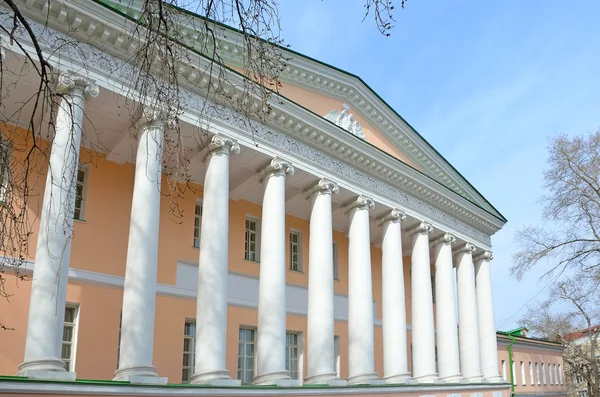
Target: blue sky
{"type": "Point", "coordinates": [486, 83]}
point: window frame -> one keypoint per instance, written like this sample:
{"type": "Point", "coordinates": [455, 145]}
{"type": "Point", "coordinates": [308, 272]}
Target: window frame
{"type": "Point", "coordinates": [537, 374]}
{"type": "Point", "coordinates": [74, 325]}
{"type": "Point", "coordinates": [523, 376]}
{"type": "Point", "coordinates": [256, 220]}
{"type": "Point", "coordinates": [246, 342]}
{"type": "Point", "coordinates": [197, 228]}
{"type": "Point", "coordinates": [503, 363]}
{"type": "Point", "coordinates": [5, 159]}
{"type": "Point", "coordinates": [297, 374]}
{"type": "Point", "coordinates": [336, 264]}
{"type": "Point", "coordinates": [298, 243]}
{"type": "Point", "coordinates": [191, 353]}
{"type": "Point", "coordinates": [531, 378]}
{"type": "Point", "coordinates": [84, 187]}
{"type": "Point", "coordinates": [544, 375]}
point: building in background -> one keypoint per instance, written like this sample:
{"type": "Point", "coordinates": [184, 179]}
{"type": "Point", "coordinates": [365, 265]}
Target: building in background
{"type": "Point", "coordinates": [310, 251]}
{"type": "Point", "coordinates": [582, 358]}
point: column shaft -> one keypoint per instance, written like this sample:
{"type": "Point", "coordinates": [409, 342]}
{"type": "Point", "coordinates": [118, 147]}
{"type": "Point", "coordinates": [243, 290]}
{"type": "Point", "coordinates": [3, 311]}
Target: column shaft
{"type": "Point", "coordinates": [468, 330]}
{"type": "Point", "coordinates": [320, 324]}
{"type": "Point", "coordinates": [485, 313]}
{"type": "Point", "coordinates": [211, 309]}
{"type": "Point", "coordinates": [139, 293]}
{"type": "Point", "coordinates": [423, 339]}
{"type": "Point", "coordinates": [395, 357]}
{"type": "Point", "coordinates": [49, 282]}
{"type": "Point", "coordinates": [271, 342]}
{"type": "Point", "coordinates": [445, 311]}
{"type": "Point", "coordinates": [360, 293]}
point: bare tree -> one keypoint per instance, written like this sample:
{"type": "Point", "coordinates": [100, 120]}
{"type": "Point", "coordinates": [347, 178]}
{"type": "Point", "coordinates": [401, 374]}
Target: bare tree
{"type": "Point", "coordinates": [570, 234]}
{"type": "Point", "coordinates": [158, 48]}
{"type": "Point", "coordinates": [572, 306]}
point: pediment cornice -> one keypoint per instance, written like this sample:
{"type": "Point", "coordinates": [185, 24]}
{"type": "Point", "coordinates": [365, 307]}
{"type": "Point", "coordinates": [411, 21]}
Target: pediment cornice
{"type": "Point", "coordinates": [293, 120]}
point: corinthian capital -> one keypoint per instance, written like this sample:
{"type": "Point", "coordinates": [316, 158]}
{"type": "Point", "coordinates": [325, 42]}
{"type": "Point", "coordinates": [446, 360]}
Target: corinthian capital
{"type": "Point", "coordinates": [278, 167]}
{"type": "Point", "coordinates": [394, 215]}
{"type": "Point", "coordinates": [324, 186]}
{"type": "Point", "coordinates": [72, 83]}
{"type": "Point", "coordinates": [359, 203]}
{"type": "Point", "coordinates": [484, 256]}
{"type": "Point", "coordinates": [221, 144]}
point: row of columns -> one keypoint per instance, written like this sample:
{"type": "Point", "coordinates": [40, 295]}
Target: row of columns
{"type": "Point", "coordinates": [475, 343]}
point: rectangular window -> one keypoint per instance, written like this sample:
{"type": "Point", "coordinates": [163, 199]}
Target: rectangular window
{"type": "Point", "coordinates": [5, 155]}
{"type": "Point", "coordinates": [433, 287]}
{"type": "Point", "coordinates": [246, 355]}
{"type": "Point", "coordinates": [544, 379]}
{"type": "Point", "coordinates": [291, 355]}
{"type": "Point", "coordinates": [189, 351]}
{"type": "Point", "coordinates": [555, 374]}
{"type": "Point", "coordinates": [560, 374]}
{"type": "Point", "coordinates": [578, 378]}
{"type": "Point", "coordinates": [582, 393]}
{"type": "Point", "coordinates": [197, 223]}
{"type": "Point", "coordinates": [336, 271]}
{"type": "Point", "coordinates": [251, 239]}
{"type": "Point", "coordinates": [531, 380]}
{"type": "Point", "coordinates": [514, 373]}
{"type": "Point", "coordinates": [523, 378]}
{"type": "Point", "coordinates": [537, 374]}
{"type": "Point", "coordinates": [119, 340]}
{"type": "Point", "coordinates": [336, 354]}
{"type": "Point", "coordinates": [295, 251]}
{"type": "Point", "coordinates": [504, 370]}
{"type": "Point", "coordinates": [550, 375]}
{"type": "Point", "coordinates": [81, 193]}
{"type": "Point", "coordinates": [68, 340]}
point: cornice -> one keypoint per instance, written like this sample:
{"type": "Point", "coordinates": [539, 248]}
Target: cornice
{"type": "Point", "coordinates": [382, 172]}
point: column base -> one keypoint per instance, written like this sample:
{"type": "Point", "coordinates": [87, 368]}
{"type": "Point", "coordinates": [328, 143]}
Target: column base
{"type": "Point", "coordinates": [45, 364]}
{"type": "Point", "coordinates": [474, 379]}
{"type": "Point", "coordinates": [322, 379]}
{"type": "Point", "coordinates": [365, 379]}
{"type": "Point", "coordinates": [494, 379]}
{"type": "Point", "coordinates": [141, 374]}
{"type": "Point", "coordinates": [404, 378]}
{"type": "Point", "coordinates": [457, 378]}
{"type": "Point", "coordinates": [431, 378]}
{"type": "Point", "coordinates": [272, 378]}
{"type": "Point", "coordinates": [215, 378]}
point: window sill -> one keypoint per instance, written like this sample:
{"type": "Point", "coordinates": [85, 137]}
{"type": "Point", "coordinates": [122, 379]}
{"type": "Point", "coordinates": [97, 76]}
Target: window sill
{"type": "Point", "coordinates": [79, 220]}
{"type": "Point", "coordinates": [296, 271]}
{"type": "Point", "coordinates": [255, 262]}
{"type": "Point", "coordinates": [196, 248]}
{"type": "Point", "coordinates": [336, 279]}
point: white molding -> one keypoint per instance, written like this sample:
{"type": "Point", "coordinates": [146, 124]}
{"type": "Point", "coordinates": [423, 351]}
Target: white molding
{"type": "Point", "coordinates": [394, 183]}
{"type": "Point", "coordinates": [80, 388]}
{"type": "Point", "coordinates": [539, 345]}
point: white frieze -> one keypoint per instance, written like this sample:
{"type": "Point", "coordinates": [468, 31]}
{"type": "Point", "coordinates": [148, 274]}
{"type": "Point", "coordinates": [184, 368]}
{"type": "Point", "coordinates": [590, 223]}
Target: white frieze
{"type": "Point", "coordinates": [93, 58]}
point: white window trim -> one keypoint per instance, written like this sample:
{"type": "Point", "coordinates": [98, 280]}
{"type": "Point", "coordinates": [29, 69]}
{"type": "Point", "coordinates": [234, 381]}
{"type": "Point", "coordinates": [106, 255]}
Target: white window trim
{"type": "Point", "coordinates": [5, 156]}
{"type": "Point", "coordinates": [336, 354]}
{"type": "Point", "coordinates": [86, 173]}
{"type": "Point", "coordinates": [300, 346]}
{"type": "Point", "coordinates": [336, 264]}
{"type": "Point", "coordinates": [73, 361]}
{"type": "Point", "coordinates": [252, 328]}
{"type": "Point", "coordinates": [514, 372]}
{"type": "Point", "coordinates": [531, 378]}
{"type": "Point", "coordinates": [193, 352]}
{"type": "Point", "coordinates": [198, 203]}
{"type": "Point", "coordinates": [504, 370]}
{"type": "Point", "coordinates": [258, 237]}
{"type": "Point", "coordinates": [550, 375]}
{"type": "Point", "coordinates": [544, 376]}
{"type": "Point", "coordinates": [300, 263]}
{"type": "Point", "coordinates": [560, 374]}
{"type": "Point", "coordinates": [537, 374]}
{"type": "Point", "coordinates": [523, 377]}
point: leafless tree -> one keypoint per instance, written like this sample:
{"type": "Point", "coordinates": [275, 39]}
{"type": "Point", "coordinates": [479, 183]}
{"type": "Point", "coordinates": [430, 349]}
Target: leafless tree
{"type": "Point", "coordinates": [570, 233]}
{"type": "Point", "coordinates": [572, 306]}
{"type": "Point", "coordinates": [161, 46]}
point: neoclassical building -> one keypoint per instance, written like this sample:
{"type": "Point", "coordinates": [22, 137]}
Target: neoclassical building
{"type": "Point", "coordinates": [329, 246]}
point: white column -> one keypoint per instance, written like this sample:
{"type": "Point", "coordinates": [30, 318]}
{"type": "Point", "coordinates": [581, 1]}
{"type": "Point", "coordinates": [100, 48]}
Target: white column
{"type": "Point", "coordinates": [468, 328]}
{"type": "Point", "coordinates": [395, 355]}
{"type": "Point", "coordinates": [445, 311]}
{"type": "Point", "coordinates": [423, 339]}
{"type": "Point", "coordinates": [360, 293]}
{"type": "Point", "coordinates": [139, 293]}
{"type": "Point", "coordinates": [271, 343]}
{"type": "Point", "coordinates": [485, 313]}
{"type": "Point", "coordinates": [49, 282]}
{"type": "Point", "coordinates": [211, 309]}
{"type": "Point", "coordinates": [320, 338]}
